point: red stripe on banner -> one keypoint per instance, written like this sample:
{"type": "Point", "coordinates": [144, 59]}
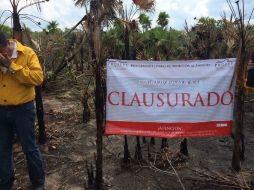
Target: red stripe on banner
{"type": "Point", "coordinates": [169, 130]}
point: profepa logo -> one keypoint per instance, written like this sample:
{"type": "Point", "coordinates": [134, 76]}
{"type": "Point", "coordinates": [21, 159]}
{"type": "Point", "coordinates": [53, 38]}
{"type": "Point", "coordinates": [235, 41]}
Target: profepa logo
{"type": "Point", "coordinates": [224, 63]}
{"type": "Point", "coordinates": [117, 65]}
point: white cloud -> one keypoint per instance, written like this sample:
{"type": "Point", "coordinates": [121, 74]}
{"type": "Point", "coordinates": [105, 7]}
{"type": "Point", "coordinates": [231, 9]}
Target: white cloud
{"type": "Point", "coordinates": [181, 10]}
{"type": "Point", "coordinates": [63, 11]}
{"type": "Point", "coordinates": [67, 15]}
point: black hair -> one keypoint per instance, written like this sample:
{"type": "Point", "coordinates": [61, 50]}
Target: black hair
{"type": "Point", "coordinates": [3, 40]}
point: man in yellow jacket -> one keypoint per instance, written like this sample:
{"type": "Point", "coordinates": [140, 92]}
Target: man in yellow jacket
{"type": "Point", "coordinates": [20, 72]}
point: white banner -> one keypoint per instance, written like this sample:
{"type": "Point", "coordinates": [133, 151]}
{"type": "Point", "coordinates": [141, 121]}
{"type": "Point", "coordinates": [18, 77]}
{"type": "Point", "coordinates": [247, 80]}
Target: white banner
{"type": "Point", "coordinates": [170, 98]}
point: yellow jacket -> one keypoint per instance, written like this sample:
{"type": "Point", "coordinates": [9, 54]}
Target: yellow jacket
{"type": "Point", "coordinates": [17, 85]}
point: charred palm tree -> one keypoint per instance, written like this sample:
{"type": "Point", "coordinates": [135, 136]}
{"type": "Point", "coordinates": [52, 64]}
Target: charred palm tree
{"type": "Point", "coordinates": [243, 38]}
{"type": "Point", "coordinates": [95, 28]}
{"type": "Point", "coordinates": [100, 12]}
{"type": "Point", "coordinates": [16, 13]}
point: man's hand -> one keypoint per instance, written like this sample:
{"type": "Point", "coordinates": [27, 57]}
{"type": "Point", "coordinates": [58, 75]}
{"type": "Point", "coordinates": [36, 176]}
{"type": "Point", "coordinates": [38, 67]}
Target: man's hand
{"type": "Point", "coordinates": [5, 60]}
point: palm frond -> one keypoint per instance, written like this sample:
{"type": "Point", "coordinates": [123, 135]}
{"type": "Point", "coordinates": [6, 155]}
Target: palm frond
{"type": "Point", "coordinates": [110, 11]}
{"type": "Point", "coordinates": [81, 3]}
{"type": "Point", "coordinates": [145, 4]}
{"type": "Point", "coordinates": [112, 8]}
{"type": "Point", "coordinates": [129, 25]}
{"type": "Point", "coordinates": [37, 3]}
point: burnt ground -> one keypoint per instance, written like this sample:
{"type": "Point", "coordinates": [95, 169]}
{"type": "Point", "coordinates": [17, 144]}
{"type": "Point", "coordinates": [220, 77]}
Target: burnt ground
{"type": "Point", "coordinates": [71, 146]}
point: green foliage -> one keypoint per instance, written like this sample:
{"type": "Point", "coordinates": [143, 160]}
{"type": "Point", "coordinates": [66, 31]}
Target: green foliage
{"type": "Point", "coordinates": [113, 41]}
{"type": "Point", "coordinates": [163, 19]}
{"type": "Point", "coordinates": [209, 38]}
{"type": "Point", "coordinates": [159, 44]}
{"type": "Point", "coordinates": [207, 21]}
{"type": "Point", "coordinates": [52, 27]}
{"type": "Point", "coordinates": [145, 22]}
{"type": "Point", "coordinates": [7, 30]}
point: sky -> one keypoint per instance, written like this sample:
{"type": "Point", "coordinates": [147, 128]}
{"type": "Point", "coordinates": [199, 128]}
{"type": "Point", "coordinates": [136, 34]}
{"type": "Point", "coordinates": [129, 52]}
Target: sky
{"type": "Point", "coordinates": [67, 15]}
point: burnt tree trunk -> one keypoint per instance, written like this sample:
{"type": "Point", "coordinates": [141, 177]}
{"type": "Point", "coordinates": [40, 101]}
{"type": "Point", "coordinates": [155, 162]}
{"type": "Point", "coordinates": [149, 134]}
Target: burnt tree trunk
{"type": "Point", "coordinates": [17, 34]}
{"type": "Point", "coordinates": [152, 141]}
{"type": "Point", "coordinates": [236, 165]}
{"type": "Point", "coordinates": [40, 115]}
{"type": "Point", "coordinates": [17, 30]}
{"type": "Point", "coordinates": [82, 62]}
{"type": "Point", "coordinates": [164, 143]}
{"type": "Point", "coordinates": [126, 44]}
{"type": "Point", "coordinates": [99, 122]}
{"type": "Point", "coordinates": [238, 133]}
{"type": "Point", "coordinates": [138, 152]}
{"type": "Point", "coordinates": [86, 112]}
{"type": "Point", "coordinates": [184, 147]}
{"type": "Point", "coordinates": [95, 45]}
{"type": "Point", "coordinates": [126, 158]}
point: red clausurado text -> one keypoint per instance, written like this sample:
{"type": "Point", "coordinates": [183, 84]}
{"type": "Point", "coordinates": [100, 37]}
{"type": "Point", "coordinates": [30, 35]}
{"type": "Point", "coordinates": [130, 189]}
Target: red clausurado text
{"type": "Point", "coordinates": [166, 99]}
